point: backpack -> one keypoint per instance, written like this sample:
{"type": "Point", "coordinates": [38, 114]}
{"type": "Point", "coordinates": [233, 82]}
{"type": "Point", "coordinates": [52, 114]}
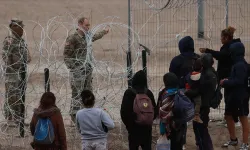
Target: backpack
{"type": "Point", "coordinates": [44, 132]}
{"type": "Point", "coordinates": [186, 67]}
{"type": "Point", "coordinates": [143, 109]}
{"type": "Point", "coordinates": [216, 100]}
{"type": "Point", "coordinates": [183, 107]}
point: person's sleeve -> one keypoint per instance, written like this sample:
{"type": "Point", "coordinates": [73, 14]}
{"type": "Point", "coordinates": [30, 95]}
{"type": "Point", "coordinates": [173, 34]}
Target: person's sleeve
{"type": "Point", "coordinates": [192, 93]}
{"type": "Point", "coordinates": [99, 35]}
{"type": "Point", "coordinates": [158, 103]}
{"type": "Point", "coordinates": [77, 123]}
{"type": "Point", "coordinates": [238, 79]}
{"type": "Point", "coordinates": [11, 53]}
{"type": "Point", "coordinates": [61, 132]}
{"type": "Point", "coordinates": [218, 55]}
{"type": "Point", "coordinates": [127, 114]}
{"type": "Point", "coordinates": [151, 96]}
{"type": "Point", "coordinates": [175, 65]}
{"type": "Point", "coordinates": [32, 125]}
{"type": "Point", "coordinates": [69, 51]}
{"type": "Point", "coordinates": [106, 120]}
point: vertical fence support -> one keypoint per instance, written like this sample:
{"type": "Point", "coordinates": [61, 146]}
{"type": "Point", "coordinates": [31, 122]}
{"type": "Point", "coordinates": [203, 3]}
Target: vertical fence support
{"type": "Point", "coordinates": [144, 59]}
{"type": "Point", "coordinates": [129, 61]}
{"type": "Point", "coordinates": [144, 63]}
{"type": "Point", "coordinates": [226, 13]}
{"type": "Point", "coordinates": [47, 81]}
{"type": "Point", "coordinates": [22, 115]}
{"type": "Point", "coordinates": [200, 18]}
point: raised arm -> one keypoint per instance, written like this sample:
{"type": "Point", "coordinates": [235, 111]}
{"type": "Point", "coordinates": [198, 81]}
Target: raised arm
{"type": "Point", "coordinates": [99, 35]}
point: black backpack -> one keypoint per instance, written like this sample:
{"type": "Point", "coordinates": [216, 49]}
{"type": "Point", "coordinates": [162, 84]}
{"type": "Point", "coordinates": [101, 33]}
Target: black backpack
{"type": "Point", "coordinates": [216, 100]}
{"type": "Point", "coordinates": [186, 68]}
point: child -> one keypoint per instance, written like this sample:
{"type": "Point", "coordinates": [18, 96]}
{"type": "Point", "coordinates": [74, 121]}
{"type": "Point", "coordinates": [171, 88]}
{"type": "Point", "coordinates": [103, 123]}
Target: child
{"type": "Point", "coordinates": [48, 110]}
{"type": "Point", "coordinates": [169, 124]}
{"type": "Point", "coordinates": [193, 86]}
{"type": "Point", "coordinates": [93, 123]}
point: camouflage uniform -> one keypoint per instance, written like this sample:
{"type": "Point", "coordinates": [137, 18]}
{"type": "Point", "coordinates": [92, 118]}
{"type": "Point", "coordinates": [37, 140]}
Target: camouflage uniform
{"type": "Point", "coordinates": [75, 55]}
{"type": "Point", "coordinates": [15, 56]}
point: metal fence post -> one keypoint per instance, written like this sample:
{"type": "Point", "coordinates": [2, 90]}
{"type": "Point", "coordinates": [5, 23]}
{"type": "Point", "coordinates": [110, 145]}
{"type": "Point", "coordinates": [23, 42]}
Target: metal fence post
{"type": "Point", "coordinates": [200, 19]}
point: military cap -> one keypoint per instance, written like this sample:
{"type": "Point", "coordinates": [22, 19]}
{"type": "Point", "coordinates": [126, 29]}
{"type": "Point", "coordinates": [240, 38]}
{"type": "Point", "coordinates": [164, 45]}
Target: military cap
{"type": "Point", "coordinates": [16, 21]}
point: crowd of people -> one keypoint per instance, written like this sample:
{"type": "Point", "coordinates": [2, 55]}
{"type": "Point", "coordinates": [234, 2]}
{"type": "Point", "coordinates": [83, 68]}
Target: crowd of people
{"type": "Point", "coordinates": [190, 77]}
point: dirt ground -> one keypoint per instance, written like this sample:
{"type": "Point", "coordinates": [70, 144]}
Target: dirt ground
{"type": "Point", "coordinates": [47, 24]}
{"type": "Point", "coordinates": [117, 139]}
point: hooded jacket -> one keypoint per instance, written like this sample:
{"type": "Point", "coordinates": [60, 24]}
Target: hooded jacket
{"type": "Point", "coordinates": [57, 121]}
{"type": "Point", "coordinates": [224, 62]}
{"type": "Point", "coordinates": [128, 116]}
{"type": "Point", "coordinates": [186, 47]}
{"type": "Point", "coordinates": [236, 82]}
{"type": "Point", "coordinates": [208, 80]}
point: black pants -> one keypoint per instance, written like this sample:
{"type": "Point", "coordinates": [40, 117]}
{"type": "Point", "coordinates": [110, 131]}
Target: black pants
{"type": "Point", "coordinates": [202, 136]}
{"type": "Point", "coordinates": [139, 140]}
{"type": "Point", "coordinates": [177, 137]}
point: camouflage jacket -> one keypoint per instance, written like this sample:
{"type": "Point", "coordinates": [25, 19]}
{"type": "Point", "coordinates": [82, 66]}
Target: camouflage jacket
{"type": "Point", "coordinates": [15, 55]}
{"type": "Point", "coordinates": [75, 49]}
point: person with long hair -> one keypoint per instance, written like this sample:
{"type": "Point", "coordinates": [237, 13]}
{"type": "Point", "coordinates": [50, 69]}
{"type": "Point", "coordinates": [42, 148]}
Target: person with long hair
{"type": "Point", "coordinates": [48, 109]}
{"type": "Point", "coordinates": [224, 59]}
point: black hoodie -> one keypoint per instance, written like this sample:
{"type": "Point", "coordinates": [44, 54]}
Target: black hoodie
{"type": "Point", "coordinates": [186, 47]}
{"type": "Point", "coordinates": [236, 83]}
{"type": "Point", "coordinates": [208, 80]}
{"type": "Point", "coordinates": [128, 116]}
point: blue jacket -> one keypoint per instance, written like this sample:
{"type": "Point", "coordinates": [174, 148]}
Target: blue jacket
{"type": "Point", "coordinates": [236, 83]}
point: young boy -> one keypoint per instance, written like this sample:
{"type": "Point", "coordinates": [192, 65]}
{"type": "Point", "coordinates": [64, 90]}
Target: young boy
{"type": "Point", "coordinates": [168, 125]}
{"type": "Point", "coordinates": [93, 123]}
{"type": "Point", "coordinates": [193, 86]}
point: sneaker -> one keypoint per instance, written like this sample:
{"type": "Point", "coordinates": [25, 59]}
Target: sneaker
{"type": "Point", "coordinates": [244, 146]}
{"type": "Point", "coordinates": [231, 143]}
{"type": "Point", "coordinates": [237, 124]}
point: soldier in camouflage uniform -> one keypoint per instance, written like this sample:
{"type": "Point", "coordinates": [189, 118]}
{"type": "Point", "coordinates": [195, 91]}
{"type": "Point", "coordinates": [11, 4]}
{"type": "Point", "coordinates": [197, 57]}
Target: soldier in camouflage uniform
{"type": "Point", "coordinates": [76, 48]}
{"type": "Point", "coordinates": [15, 56]}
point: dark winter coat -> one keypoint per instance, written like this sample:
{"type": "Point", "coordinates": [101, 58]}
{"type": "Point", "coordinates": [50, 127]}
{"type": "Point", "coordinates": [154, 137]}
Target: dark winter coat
{"type": "Point", "coordinates": [57, 121]}
{"type": "Point", "coordinates": [225, 62]}
{"type": "Point", "coordinates": [186, 47]}
{"type": "Point", "coordinates": [208, 80]}
{"type": "Point", "coordinates": [236, 83]}
{"type": "Point", "coordinates": [127, 114]}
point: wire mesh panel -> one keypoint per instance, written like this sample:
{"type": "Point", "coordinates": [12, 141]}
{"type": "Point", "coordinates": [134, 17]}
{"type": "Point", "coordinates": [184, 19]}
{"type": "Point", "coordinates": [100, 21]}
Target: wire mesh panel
{"type": "Point", "coordinates": [160, 24]}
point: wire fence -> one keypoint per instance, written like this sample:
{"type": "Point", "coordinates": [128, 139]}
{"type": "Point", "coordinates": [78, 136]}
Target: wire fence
{"type": "Point", "coordinates": [161, 23]}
